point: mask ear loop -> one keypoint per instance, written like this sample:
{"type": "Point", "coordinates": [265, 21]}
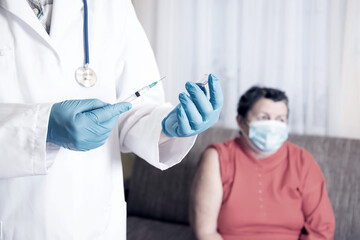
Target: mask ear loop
{"type": "Point", "coordinates": [246, 136]}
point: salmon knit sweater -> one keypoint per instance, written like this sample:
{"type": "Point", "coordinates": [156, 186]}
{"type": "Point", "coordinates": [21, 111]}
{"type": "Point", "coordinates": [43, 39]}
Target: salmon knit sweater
{"type": "Point", "coordinates": [280, 197]}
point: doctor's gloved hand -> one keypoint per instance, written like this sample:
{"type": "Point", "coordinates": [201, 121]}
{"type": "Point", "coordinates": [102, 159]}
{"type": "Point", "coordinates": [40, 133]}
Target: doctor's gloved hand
{"type": "Point", "coordinates": [196, 113]}
{"type": "Point", "coordinates": [82, 125]}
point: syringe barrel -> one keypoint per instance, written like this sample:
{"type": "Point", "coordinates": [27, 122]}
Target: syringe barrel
{"type": "Point", "coordinates": [137, 94]}
{"type": "Point", "coordinates": [143, 90]}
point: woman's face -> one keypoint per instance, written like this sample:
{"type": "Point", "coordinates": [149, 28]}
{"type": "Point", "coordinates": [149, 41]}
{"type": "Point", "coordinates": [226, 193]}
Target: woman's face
{"type": "Point", "coordinates": [264, 109]}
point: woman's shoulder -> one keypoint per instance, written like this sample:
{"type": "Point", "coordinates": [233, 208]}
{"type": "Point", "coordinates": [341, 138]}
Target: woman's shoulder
{"type": "Point", "coordinates": [302, 158]}
{"type": "Point", "coordinates": [296, 150]}
{"type": "Point", "coordinates": [226, 147]}
{"type": "Point", "coordinates": [309, 171]}
{"type": "Point", "coordinates": [225, 153]}
{"type": "Point", "coordinates": [226, 144]}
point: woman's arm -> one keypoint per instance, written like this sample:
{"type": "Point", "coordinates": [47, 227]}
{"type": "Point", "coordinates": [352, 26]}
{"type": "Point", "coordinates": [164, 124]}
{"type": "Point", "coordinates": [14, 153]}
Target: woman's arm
{"type": "Point", "coordinates": [206, 197]}
{"type": "Point", "coordinates": [319, 216]}
{"type": "Point", "coordinates": [318, 213]}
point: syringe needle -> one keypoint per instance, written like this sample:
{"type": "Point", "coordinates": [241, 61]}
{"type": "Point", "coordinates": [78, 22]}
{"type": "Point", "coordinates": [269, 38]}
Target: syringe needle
{"type": "Point", "coordinates": [154, 83]}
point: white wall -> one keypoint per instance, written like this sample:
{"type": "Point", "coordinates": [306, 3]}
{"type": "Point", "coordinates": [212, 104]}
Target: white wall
{"type": "Point", "coordinates": [310, 49]}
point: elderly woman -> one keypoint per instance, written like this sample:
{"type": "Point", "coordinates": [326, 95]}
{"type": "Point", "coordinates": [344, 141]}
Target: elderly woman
{"type": "Point", "coordinates": [258, 185]}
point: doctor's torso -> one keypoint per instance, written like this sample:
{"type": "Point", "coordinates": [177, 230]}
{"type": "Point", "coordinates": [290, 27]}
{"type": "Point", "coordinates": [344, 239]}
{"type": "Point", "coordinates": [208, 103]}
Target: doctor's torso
{"type": "Point", "coordinates": [81, 197]}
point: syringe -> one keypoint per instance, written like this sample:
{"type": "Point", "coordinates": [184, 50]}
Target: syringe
{"type": "Point", "coordinates": [142, 91]}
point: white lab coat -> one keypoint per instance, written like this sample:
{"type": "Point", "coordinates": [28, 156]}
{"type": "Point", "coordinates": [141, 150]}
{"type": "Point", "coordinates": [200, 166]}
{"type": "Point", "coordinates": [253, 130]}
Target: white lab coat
{"type": "Point", "coordinates": [50, 193]}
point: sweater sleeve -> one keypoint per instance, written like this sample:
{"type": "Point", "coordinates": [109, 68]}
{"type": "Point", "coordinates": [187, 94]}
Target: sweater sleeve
{"type": "Point", "coordinates": [316, 207]}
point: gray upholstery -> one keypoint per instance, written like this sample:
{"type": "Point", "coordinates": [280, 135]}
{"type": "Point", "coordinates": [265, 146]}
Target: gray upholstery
{"type": "Point", "coordinates": [158, 200]}
{"type": "Point", "coordinates": [152, 229]}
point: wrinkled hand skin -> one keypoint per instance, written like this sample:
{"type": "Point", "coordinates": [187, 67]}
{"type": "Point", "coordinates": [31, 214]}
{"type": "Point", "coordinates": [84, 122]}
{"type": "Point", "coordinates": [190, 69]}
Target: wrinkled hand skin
{"type": "Point", "coordinates": [196, 112]}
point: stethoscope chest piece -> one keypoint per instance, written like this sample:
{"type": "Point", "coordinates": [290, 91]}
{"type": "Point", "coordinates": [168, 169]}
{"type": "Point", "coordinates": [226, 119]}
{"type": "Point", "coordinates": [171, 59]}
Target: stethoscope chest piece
{"type": "Point", "coordinates": [85, 76]}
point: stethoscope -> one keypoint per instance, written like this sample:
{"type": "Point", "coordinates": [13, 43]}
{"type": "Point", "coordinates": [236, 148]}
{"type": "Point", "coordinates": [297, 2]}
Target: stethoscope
{"type": "Point", "coordinates": [84, 75]}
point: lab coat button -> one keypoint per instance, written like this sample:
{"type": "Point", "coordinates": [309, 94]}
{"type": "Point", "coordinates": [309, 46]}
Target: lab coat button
{"type": "Point", "coordinates": [36, 11]}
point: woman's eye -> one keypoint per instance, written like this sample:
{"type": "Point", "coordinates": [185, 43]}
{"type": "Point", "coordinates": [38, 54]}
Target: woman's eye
{"type": "Point", "coordinates": [263, 117]}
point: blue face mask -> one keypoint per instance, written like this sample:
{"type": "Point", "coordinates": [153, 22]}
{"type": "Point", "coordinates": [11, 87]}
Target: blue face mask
{"type": "Point", "coordinates": [268, 136]}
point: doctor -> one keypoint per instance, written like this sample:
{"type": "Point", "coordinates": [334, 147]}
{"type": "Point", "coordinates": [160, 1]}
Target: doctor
{"type": "Point", "coordinates": [60, 142]}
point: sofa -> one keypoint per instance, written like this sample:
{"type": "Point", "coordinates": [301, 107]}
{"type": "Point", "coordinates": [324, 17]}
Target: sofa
{"type": "Point", "coordinates": [158, 201]}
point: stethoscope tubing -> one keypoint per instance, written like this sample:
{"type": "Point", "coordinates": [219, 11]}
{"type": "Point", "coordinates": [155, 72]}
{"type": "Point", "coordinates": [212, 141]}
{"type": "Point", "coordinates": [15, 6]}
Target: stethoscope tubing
{"type": "Point", "coordinates": [86, 34]}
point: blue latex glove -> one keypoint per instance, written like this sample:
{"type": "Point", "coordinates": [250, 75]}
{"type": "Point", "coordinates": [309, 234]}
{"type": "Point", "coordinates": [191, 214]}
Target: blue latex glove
{"type": "Point", "coordinates": [82, 125]}
{"type": "Point", "coordinates": [196, 113]}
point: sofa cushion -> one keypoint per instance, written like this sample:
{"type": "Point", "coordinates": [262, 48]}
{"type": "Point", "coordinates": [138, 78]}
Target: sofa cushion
{"type": "Point", "coordinates": [144, 229]}
{"type": "Point", "coordinates": [164, 195]}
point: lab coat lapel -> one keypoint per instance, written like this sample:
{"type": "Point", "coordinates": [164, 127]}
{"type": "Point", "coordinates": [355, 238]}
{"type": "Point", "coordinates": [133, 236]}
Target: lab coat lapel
{"type": "Point", "coordinates": [22, 10]}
